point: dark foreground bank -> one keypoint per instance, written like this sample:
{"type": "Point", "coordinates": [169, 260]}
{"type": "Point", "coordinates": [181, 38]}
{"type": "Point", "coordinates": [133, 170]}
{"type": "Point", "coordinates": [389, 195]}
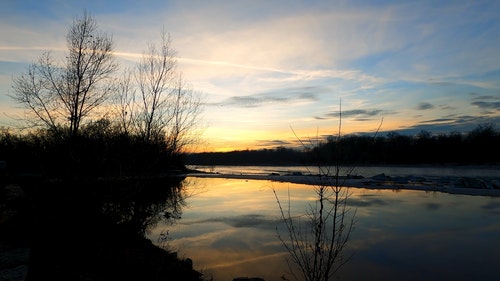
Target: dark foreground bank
{"type": "Point", "coordinates": [60, 230]}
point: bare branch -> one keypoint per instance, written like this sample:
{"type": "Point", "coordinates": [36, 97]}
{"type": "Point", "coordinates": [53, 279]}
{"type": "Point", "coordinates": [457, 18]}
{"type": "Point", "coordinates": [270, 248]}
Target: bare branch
{"type": "Point", "coordinates": [154, 76]}
{"type": "Point", "coordinates": [66, 95]}
{"type": "Point", "coordinates": [317, 250]}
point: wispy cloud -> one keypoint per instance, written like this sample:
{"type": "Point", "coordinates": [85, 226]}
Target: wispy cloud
{"type": "Point", "coordinates": [460, 123]}
{"type": "Point", "coordinates": [480, 97]}
{"type": "Point", "coordinates": [425, 106]}
{"type": "Point", "coordinates": [285, 96]}
{"type": "Point", "coordinates": [357, 114]}
{"type": "Point", "coordinates": [230, 64]}
{"type": "Point", "coordinates": [487, 105]}
{"type": "Point", "coordinates": [443, 120]}
{"type": "Point", "coordinates": [276, 143]}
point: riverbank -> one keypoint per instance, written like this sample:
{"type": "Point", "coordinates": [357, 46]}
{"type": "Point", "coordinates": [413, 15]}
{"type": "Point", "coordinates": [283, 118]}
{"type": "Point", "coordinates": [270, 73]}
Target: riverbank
{"type": "Point", "coordinates": [453, 185]}
{"type": "Point", "coordinates": [92, 230]}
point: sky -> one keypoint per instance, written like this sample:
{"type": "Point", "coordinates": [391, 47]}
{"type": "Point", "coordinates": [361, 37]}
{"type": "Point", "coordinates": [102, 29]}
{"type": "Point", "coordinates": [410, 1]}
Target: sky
{"type": "Point", "coordinates": [272, 72]}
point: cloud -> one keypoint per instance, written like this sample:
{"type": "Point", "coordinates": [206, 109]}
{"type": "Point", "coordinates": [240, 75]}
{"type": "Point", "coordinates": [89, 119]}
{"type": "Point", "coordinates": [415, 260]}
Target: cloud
{"type": "Point", "coordinates": [438, 120]}
{"type": "Point", "coordinates": [275, 143]}
{"type": "Point", "coordinates": [486, 102]}
{"type": "Point", "coordinates": [358, 114]}
{"type": "Point", "coordinates": [462, 123]}
{"type": "Point", "coordinates": [230, 64]}
{"type": "Point", "coordinates": [487, 105]}
{"type": "Point", "coordinates": [458, 120]}
{"type": "Point", "coordinates": [447, 107]}
{"type": "Point", "coordinates": [425, 106]}
{"type": "Point", "coordinates": [486, 97]}
{"type": "Point", "coordinates": [285, 96]}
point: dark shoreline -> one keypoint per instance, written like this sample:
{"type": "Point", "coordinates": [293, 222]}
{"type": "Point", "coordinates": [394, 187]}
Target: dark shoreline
{"type": "Point", "coordinates": [104, 221]}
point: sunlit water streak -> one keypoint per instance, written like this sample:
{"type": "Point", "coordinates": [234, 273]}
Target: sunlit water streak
{"type": "Point", "coordinates": [229, 230]}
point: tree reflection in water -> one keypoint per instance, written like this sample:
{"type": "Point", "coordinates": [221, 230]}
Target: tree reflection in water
{"type": "Point", "coordinates": [96, 230]}
{"type": "Point", "coordinates": [146, 206]}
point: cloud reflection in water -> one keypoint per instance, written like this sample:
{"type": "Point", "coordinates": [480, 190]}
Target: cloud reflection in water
{"type": "Point", "coordinates": [230, 230]}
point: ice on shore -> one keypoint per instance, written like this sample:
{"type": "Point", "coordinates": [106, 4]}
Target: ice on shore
{"type": "Point", "coordinates": [456, 185]}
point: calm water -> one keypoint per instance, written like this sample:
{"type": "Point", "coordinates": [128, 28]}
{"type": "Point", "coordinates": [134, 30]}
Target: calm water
{"type": "Point", "coordinates": [229, 227]}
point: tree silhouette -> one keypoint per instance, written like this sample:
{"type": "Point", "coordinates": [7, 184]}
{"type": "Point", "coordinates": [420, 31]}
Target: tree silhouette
{"type": "Point", "coordinates": [64, 95]}
{"type": "Point", "coordinates": [317, 246]}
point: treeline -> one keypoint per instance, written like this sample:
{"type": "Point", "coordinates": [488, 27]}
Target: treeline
{"type": "Point", "coordinates": [277, 156]}
{"type": "Point", "coordinates": [479, 146]}
{"type": "Point", "coordinates": [99, 150]}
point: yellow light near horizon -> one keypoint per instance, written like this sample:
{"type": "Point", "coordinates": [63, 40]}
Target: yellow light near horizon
{"type": "Point", "coordinates": [222, 140]}
{"type": "Point", "coordinates": [218, 139]}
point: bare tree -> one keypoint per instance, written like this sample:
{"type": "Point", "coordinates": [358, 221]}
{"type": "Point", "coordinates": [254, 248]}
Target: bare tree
{"type": "Point", "coordinates": [64, 95]}
{"type": "Point", "coordinates": [317, 247]}
{"type": "Point", "coordinates": [158, 104]}
{"type": "Point", "coordinates": [33, 91]}
{"type": "Point", "coordinates": [186, 107]}
{"type": "Point", "coordinates": [125, 102]}
{"type": "Point", "coordinates": [154, 76]}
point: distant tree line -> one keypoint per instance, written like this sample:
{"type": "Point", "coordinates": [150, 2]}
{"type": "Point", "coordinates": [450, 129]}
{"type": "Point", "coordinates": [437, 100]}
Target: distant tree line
{"type": "Point", "coordinates": [276, 156]}
{"type": "Point", "coordinates": [479, 146]}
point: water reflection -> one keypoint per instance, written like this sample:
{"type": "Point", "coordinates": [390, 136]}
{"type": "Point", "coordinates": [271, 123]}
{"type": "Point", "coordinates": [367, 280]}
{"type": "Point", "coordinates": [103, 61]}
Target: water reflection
{"type": "Point", "coordinates": [230, 231]}
{"type": "Point", "coordinates": [147, 206]}
{"type": "Point", "coordinates": [96, 231]}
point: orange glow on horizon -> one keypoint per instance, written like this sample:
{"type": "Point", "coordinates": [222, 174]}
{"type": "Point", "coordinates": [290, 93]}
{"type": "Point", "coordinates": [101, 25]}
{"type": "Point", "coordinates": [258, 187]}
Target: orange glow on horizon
{"type": "Point", "coordinates": [222, 140]}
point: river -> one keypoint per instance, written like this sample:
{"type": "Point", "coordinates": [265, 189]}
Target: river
{"type": "Point", "coordinates": [229, 228]}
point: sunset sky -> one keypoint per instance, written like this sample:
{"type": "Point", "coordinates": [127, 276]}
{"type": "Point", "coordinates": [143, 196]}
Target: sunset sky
{"type": "Point", "coordinates": [265, 67]}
